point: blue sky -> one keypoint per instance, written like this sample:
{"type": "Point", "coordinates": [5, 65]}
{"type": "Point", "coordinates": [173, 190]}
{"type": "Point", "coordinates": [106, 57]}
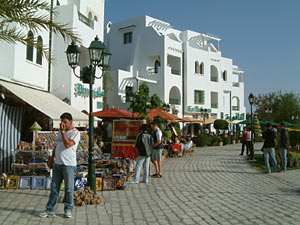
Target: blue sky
{"type": "Point", "coordinates": [261, 36]}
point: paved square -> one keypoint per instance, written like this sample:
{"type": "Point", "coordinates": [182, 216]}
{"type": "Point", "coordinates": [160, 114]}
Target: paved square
{"type": "Point", "coordinates": [213, 186]}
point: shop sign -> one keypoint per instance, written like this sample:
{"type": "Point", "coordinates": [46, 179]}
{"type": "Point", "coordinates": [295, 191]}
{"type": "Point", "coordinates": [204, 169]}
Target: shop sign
{"type": "Point", "coordinates": [100, 105]}
{"type": "Point", "coordinates": [236, 117]}
{"type": "Point", "coordinates": [81, 91]}
{"type": "Point", "coordinates": [197, 109]}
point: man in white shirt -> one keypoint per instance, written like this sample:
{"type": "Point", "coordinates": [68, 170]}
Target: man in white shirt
{"type": "Point", "coordinates": [64, 167]}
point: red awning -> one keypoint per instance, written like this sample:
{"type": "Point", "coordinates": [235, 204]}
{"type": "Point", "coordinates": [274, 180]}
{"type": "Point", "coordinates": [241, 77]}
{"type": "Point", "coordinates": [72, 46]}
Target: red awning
{"type": "Point", "coordinates": [113, 113]}
{"type": "Point", "coordinates": [163, 114]}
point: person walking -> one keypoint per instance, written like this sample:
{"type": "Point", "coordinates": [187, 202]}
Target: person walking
{"type": "Point", "coordinates": [144, 146]}
{"type": "Point", "coordinates": [64, 167]}
{"type": "Point", "coordinates": [245, 142]}
{"type": "Point", "coordinates": [269, 148]}
{"type": "Point", "coordinates": [157, 149]}
{"type": "Point", "coordinates": [283, 146]}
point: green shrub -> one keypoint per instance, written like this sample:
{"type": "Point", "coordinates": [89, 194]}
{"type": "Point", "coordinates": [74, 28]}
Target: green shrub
{"type": "Point", "coordinates": [221, 125]}
{"type": "Point", "coordinates": [227, 140]}
{"type": "Point", "coordinates": [201, 140]}
{"type": "Point", "coordinates": [294, 138]}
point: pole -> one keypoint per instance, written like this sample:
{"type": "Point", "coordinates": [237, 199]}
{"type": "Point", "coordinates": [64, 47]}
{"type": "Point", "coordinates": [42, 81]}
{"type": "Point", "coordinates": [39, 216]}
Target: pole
{"type": "Point", "coordinates": [251, 145]}
{"type": "Point", "coordinates": [91, 166]}
{"type": "Point", "coordinates": [50, 47]}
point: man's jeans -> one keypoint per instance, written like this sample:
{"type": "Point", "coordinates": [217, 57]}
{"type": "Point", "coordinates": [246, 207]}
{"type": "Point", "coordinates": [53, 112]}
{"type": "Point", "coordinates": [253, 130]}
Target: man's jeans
{"type": "Point", "coordinates": [66, 173]}
{"type": "Point", "coordinates": [139, 164]}
{"type": "Point", "coordinates": [271, 152]}
{"type": "Point", "coordinates": [283, 159]}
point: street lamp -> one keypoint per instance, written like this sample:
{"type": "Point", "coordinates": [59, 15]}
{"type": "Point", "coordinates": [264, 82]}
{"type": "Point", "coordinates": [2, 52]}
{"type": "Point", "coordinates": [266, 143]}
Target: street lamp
{"type": "Point", "coordinates": [99, 57]}
{"type": "Point", "coordinates": [251, 101]}
{"type": "Point", "coordinates": [204, 114]}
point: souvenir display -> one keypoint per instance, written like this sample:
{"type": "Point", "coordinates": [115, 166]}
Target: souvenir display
{"type": "Point", "coordinates": [12, 182]}
{"type": "Point", "coordinates": [86, 196]}
{"type": "Point", "coordinates": [98, 183]}
{"type": "Point", "coordinates": [48, 183]}
{"type": "Point", "coordinates": [38, 182]}
{"type": "Point", "coordinates": [109, 184]}
{"type": "Point", "coordinates": [25, 182]}
{"type": "Point", "coordinates": [3, 180]}
{"type": "Point", "coordinates": [124, 136]}
{"type": "Point", "coordinates": [80, 183]}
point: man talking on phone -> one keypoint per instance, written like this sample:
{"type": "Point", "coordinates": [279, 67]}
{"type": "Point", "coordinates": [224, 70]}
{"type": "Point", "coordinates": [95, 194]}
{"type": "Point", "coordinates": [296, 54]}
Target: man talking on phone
{"type": "Point", "coordinates": [64, 166]}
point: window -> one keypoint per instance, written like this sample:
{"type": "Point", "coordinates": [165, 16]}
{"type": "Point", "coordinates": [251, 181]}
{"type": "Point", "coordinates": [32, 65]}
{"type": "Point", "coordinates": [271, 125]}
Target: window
{"type": "Point", "coordinates": [128, 38]}
{"type": "Point", "coordinates": [90, 15]}
{"type": "Point", "coordinates": [95, 18]}
{"type": "Point", "coordinates": [156, 65]}
{"type": "Point", "coordinates": [197, 69]}
{"type": "Point", "coordinates": [128, 93]}
{"type": "Point", "coordinates": [201, 68]}
{"type": "Point", "coordinates": [199, 97]}
{"type": "Point", "coordinates": [213, 73]}
{"type": "Point", "coordinates": [39, 56]}
{"type": "Point", "coordinates": [29, 50]}
{"type": "Point", "coordinates": [224, 75]}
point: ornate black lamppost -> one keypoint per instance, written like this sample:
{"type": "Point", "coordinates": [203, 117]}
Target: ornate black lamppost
{"type": "Point", "coordinates": [251, 101]}
{"type": "Point", "coordinates": [99, 57]}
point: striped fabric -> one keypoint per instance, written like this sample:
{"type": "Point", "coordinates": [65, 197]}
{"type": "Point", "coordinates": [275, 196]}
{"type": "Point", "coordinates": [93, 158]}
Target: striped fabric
{"type": "Point", "coordinates": [10, 131]}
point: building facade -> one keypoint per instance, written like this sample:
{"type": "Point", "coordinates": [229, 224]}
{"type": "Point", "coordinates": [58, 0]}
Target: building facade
{"type": "Point", "coordinates": [184, 68]}
{"type": "Point", "coordinates": [25, 65]}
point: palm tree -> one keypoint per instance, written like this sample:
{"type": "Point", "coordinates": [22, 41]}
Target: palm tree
{"type": "Point", "coordinates": [19, 16]}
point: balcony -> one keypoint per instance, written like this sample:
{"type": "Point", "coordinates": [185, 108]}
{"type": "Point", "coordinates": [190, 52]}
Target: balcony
{"type": "Point", "coordinates": [82, 18]}
{"type": "Point", "coordinates": [151, 71]}
{"type": "Point", "coordinates": [214, 105]}
{"type": "Point", "coordinates": [236, 84]}
{"type": "Point", "coordinates": [235, 108]}
{"type": "Point", "coordinates": [175, 71]}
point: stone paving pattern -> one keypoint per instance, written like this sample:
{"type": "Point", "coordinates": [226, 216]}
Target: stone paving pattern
{"type": "Point", "coordinates": [213, 186]}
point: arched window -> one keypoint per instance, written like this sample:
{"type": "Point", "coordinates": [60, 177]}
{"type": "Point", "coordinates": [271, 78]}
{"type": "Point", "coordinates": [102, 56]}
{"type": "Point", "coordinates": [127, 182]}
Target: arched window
{"type": "Point", "coordinates": [201, 68]}
{"type": "Point", "coordinates": [95, 18]}
{"type": "Point", "coordinates": [213, 73]}
{"type": "Point", "coordinates": [175, 96]}
{"type": "Point", "coordinates": [156, 65]}
{"type": "Point", "coordinates": [90, 16]}
{"type": "Point", "coordinates": [197, 67]}
{"type": "Point", "coordinates": [235, 103]}
{"type": "Point", "coordinates": [39, 55]}
{"type": "Point", "coordinates": [224, 75]}
{"type": "Point", "coordinates": [29, 50]}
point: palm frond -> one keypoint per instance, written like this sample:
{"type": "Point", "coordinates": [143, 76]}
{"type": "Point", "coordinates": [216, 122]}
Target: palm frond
{"type": "Point", "coordinates": [25, 13]}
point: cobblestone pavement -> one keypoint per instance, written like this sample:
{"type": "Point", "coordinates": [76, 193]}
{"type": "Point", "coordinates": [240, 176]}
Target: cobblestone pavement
{"type": "Point", "coordinates": [213, 186]}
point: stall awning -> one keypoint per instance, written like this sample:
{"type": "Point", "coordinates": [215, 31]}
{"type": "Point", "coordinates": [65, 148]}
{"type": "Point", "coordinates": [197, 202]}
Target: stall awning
{"type": "Point", "coordinates": [46, 103]}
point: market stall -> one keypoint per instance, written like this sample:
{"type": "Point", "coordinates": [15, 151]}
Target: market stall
{"type": "Point", "coordinates": [124, 137]}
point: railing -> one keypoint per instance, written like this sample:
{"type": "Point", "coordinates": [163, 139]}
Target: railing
{"type": "Point", "coordinates": [235, 108]}
{"type": "Point", "coordinates": [214, 79]}
{"type": "Point", "coordinates": [174, 101]}
{"type": "Point", "coordinates": [151, 71]}
{"type": "Point", "coordinates": [214, 105]}
{"type": "Point", "coordinates": [86, 20]}
{"type": "Point", "coordinates": [175, 71]}
{"type": "Point", "coordinates": [235, 84]}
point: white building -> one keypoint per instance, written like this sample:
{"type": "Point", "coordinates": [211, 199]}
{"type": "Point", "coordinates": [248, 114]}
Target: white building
{"type": "Point", "coordinates": [87, 18]}
{"type": "Point", "coordinates": [24, 65]}
{"type": "Point", "coordinates": [184, 68]}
